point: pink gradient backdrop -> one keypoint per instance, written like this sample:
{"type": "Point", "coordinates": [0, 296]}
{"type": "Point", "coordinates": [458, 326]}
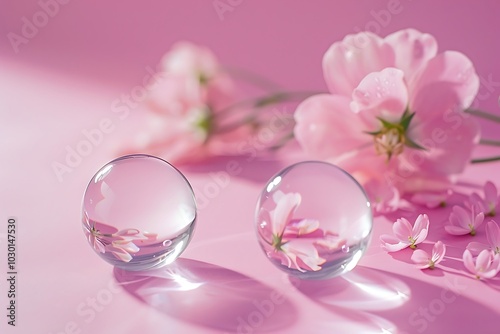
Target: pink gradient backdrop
{"type": "Point", "coordinates": [64, 81]}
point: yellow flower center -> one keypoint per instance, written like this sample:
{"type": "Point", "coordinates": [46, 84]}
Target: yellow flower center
{"type": "Point", "coordinates": [390, 141]}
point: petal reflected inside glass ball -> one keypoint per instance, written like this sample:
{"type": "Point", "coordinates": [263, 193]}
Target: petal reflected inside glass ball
{"type": "Point", "coordinates": [138, 212]}
{"type": "Point", "coordinates": [313, 220]}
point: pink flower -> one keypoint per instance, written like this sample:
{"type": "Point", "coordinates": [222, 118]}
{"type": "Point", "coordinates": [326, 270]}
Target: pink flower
{"type": "Point", "coordinates": [487, 264]}
{"type": "Point", "coordinates": [423, 260]}
{"type": "Point", "coordinates": [463, 222]}
{"type": "Point", "coordinates": [405, 235]}
{"type": "Point", "coordinates": [493, 237]}
{"type": "Point", "coordinates": [292, 241]}
{"type": "Point", "coordinates": [183, 122]}
{"type": "Point", "coordinates": [487, 204]}
{"type": "Point", "coordinates": [394, 111]}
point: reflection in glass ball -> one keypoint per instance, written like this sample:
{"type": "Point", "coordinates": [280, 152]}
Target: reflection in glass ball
{"type": "Point", "coordinates": [313, 220]}
{"type": "Point", "coordinates": [139, 212]}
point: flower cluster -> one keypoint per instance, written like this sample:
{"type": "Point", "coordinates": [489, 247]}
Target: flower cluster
{"type": "Point", "coordinates": [193, 111]}
{"type": "Point", "coordinates": [185, 121]}
{"type": "Point", "coordinates": [482, 260]}
{"type": "Point", "coordinates": [295, 243]}
{"type": "Point", "coordinates": [394, 115]}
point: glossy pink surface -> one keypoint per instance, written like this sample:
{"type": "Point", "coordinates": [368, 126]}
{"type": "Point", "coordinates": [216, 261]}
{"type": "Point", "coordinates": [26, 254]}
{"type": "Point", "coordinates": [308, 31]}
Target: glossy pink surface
{"type": "Point", "coordinates": [61, 86]}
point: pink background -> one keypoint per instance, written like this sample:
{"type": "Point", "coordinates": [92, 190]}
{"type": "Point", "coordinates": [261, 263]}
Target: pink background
{"type": "Point", "coordinates": [64, 80]}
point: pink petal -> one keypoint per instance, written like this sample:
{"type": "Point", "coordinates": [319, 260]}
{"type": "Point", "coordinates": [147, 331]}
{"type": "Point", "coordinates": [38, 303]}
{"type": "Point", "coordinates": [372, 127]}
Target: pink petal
{"type": "Point", "coordinates": [120, 254]}
{"type": "Point", "coordinates": [456, 230]}
{"type": "Point", "coordinates": [129, 232]}
{"type": "Point", "coordinates": [469, 262]}
{"type": "Point", "coordinates": [449, 136]}
{"type": "Point", "coordinates": [492, 272]}
{"type": "Point", "coordinates": [438, 252]}
{"type": "Point", "coordinates": [421, 258]}
{"type": "Point", "coordinates": [127, 246]}
{"type": "Point", "coordinates": [347, 62]}
{"type": "Point", "coordinates": [490, 193]}
{"type": "Point", "coordinates": [459, 217]}
{"type": "Point", "coordinates": [413, 50]}
{"type": "Point", "coordinates": [493, 234]}
{"type": "Point", "coordinates": [421, 228]}
{"type": "Point", "coordinates": [284, 211]}
{"type": "Point", "coordinates": [402, 229]}
{"type": "Point", "coordinates": [494, 267]}
{"type": "Point", "coordinates": [483, 260]}
{"type": "Point", "coordinates": [303, 227]}
{"type": "Point", "coordinates": [384, 197]}
{"type": "Point", "coordinates": [476, 247]}
{"type": "Point", "coordinates": [381, 94]}
{"type": "Point", "coordinates": [430, 199]}
{"type": "Point", "coordinates": [450, 71]}
{"type": "Point", "coordinates": [478, 220]}
{"type": "Point", "coordinates": [188, 58]}
{"type": "Point", "coordinates": [326, 128]}
{"type": "Point", "coordinates": [391, 244]}
{"type": "Point", "coordinates": [306, 252]}
{"type": "Point", "coordinates": [331, 243]}
{"type": "Point", "coordinates": [99, 246]}
{"type": "Point", "coordinates": [475, 202]}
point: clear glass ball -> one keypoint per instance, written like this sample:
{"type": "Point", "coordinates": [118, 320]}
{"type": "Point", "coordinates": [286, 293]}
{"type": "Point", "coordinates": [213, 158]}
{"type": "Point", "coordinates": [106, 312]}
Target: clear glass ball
{"type": "Point", "coordinates": [313, 220]}
{"type": "Point", "coordinates": [139, 212]}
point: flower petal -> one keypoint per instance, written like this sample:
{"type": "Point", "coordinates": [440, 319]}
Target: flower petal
{"type": "Point", "coordinates": [326, 128]}
{"type": "Point", "coordinates": [421, 258]}
{"type": "Point", "coordinates": [120, 254]}
{"type": "Point", "coordinates": [302, 227]}
{"type": "Point", "coordinates": [347, 62]}
{"type": "Point", "coordinates": [490, 193]}
{"type": "Point", "coordinates": [413, 50]}
{"type": "Point", "coordinates": [493, 234]}
{"type": "Point", "coordinates": [483, 260]}
{"type": "Point", "coordinates": [478, 220]}
{"type": "Point", "coordinates": [421, 228]}
{"type": "Point", "coordinates": [390, 244]}
{"type": "Point", "coordinates": [430, 199]}
{"type": "Point", "coordinates": [381, 94]}
{"type": "Point", "coordinates": [284, 211]}
{"type": "Point", "coordinates": [402, 229]}
{"type": "Point", "coordinates": [438, 252]}
{"type": "Point", "coordinates": [456, 230]}
{"type": "Point", "coordinates": [469, 261]}
{"type": "Point", "coordinates": [451, 71]}
{"type": "Point", "coordinates": [459, 217]}
{"type": "Point", "coordinates": [306, 252]}
{"type": "Point", "coordinates": [476, 247]}
{"type": "Point", "coordinates": [125, 245]}
{"type": "Point", "coordinates": [448, 136]}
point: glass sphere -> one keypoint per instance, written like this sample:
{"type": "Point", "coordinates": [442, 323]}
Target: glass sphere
{"type": "Point", "coordinates": [313, 220]}
{"type": "Point", "coordinates": [139, 212]}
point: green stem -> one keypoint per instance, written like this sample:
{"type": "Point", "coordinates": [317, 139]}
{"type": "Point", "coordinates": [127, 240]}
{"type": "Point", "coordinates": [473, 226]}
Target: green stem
{"type": "Point", "coordinates": [267, 100]}
{"type": "Point", "coordinates": [483, 114]}
{"type": "Point", "coordinates": [489, 142]}
{"type": "Point", "coordinates": [481, 160]}
{"type": "Point", "coordinates": [233, 126]}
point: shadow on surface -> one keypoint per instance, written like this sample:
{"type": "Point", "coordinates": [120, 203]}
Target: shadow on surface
{"type": "Point", "coordinates": [390, 303]}
{"type": "Point", "coordinates": [207, 295]}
